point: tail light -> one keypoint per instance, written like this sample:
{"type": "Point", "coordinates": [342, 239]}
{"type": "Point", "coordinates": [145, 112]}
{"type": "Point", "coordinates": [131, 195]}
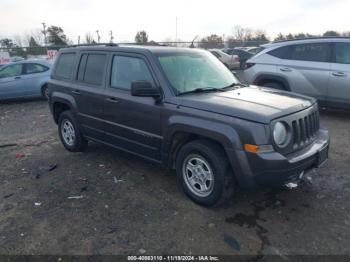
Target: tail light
{"type": "Point", "coordinates": [248, 65]}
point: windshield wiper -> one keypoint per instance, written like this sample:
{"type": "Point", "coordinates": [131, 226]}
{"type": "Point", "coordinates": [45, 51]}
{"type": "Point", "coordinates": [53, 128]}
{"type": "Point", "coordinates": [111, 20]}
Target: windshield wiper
{"type": "Point", "coordinates": [200, 90]}
{"type": "Point", "coordinates": [234, 85]}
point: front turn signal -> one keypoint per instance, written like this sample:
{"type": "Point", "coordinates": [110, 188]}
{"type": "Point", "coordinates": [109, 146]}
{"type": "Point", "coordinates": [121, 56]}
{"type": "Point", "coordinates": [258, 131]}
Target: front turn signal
{"type": "Point", "coordinates": [258, 149]}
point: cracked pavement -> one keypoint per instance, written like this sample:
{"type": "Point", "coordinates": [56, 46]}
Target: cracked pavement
{"type": "Point", "coordinates": [108, 202]}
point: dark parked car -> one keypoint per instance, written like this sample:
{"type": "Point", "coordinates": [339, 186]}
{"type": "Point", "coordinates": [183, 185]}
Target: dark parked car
{"type": "Point", "coordinates": [242, 54]}
{"type": "Point", "coordinates": [184, 109]}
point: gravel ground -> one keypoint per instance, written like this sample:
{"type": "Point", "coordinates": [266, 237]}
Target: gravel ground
{"type": "Point", "coordinates": [125, 205]}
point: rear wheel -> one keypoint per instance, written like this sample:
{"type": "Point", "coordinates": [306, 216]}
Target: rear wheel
{"type": "Point", "coordinates": [204, 173]}
{"type": "Point", "coordinates": [274, 85]}
{"type": "Point", "coordinates": [70, 134]}
{"type": "Point", "coordinates": [45, 92]}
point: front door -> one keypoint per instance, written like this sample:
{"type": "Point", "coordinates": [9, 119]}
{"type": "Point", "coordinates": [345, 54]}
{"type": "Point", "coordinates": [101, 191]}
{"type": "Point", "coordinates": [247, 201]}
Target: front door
{"type": "Point", "coordinates": [11, 83]}
{"type": "Point", "coordinates": [339, 84]}
{"type": "Point", "coordinates": [132, 123]}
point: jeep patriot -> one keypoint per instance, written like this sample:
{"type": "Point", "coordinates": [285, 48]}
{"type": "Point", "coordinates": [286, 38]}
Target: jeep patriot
{"type": "Point", "coordinates": [182, 108]}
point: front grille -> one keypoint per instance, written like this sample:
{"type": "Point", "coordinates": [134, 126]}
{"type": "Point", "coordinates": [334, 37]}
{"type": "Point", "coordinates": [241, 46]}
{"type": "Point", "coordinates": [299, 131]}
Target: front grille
{"type": "Point", "coordinates": [305, 129]}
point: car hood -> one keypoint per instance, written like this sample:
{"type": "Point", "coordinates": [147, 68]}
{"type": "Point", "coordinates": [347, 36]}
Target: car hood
{"type": "Point", "coordinates": [253, 103]}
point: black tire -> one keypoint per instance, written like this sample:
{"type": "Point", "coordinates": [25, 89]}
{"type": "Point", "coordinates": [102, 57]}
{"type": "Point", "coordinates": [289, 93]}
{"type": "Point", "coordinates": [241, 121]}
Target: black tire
{"type": "Point", "coordinates": [224, 183]}
{"type": "Point", "coordinates": [45, 92]}
{"type": "Point", "coordinates": [76, 144]}
{"type": "Point", "coordinates": [274, 85]}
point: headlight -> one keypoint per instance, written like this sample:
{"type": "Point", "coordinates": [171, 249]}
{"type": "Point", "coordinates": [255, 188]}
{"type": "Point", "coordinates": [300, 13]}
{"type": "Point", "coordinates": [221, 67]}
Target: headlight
{"type": "Point", "coordinates": [280, 134]}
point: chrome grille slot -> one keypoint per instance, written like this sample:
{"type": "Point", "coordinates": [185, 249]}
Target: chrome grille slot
{"type": "Point", "coordinates": [304, 129]}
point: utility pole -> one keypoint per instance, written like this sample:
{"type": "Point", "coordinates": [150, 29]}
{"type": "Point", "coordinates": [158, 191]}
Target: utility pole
{"type": "Point", "coordinates": [44, 32]}
{"type": "Point", "coordinates": [79, 40]}
{"type": "Point", "coordinates": [98, 36]}
{"type": "Point", "coordinates": [176, 30]}
{"type": "Point", "coordinates": [112, 37]}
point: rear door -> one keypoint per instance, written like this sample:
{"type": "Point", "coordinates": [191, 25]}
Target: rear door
{"type": "Point", "coordinates": [34, 75]}
{"type": "Point", "coordinates": [306, 67]}
{"type": "Point", "coordinates": [339, 84]}
{"type": "Point", "coordinates": [132, 123]}
{"type": "Point", "coordinates": [88, 91]}
{"type": "Point", "coordinates": [11, 83]}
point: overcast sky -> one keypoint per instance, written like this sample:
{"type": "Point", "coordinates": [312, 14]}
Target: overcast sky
{"type": "Point", "coordinates": [158, 17]}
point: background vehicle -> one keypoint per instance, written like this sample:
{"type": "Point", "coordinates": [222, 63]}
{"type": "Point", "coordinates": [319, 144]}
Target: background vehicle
{"type": "Point", "coordinates": [242, 54]}
{"type": "Point", "coordinates": [318, 67]}
{"type": "Point", "coordinates": [27, 78]}
{"type": "Point", "coordinates": [230, 61]}
{"type": "Point", "coordinates": [184, 109]}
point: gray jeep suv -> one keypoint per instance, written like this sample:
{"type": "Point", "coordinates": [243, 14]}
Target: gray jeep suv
{"type": "Point", "coordinates": [317, 67]}
{"type": "Point", "coordinates": [184, 109]}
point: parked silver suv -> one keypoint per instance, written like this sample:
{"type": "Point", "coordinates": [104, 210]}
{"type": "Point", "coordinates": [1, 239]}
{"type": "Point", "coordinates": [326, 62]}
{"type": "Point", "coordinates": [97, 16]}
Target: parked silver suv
{"type": "Point", "coordinates": [317, 67]}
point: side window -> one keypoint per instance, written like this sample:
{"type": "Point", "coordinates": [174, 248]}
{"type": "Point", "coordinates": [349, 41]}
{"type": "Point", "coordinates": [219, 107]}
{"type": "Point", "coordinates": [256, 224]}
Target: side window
{"type": "Point", "coordinates": [91, 68]}
{"type": "Point", "coordinates": [64, 66]}
{"type": "Point", "coordinates": [34, 68]}
{"type": "Point", "coordinates": [11, 71]}
{"type": "Point", "coordinates": [127, 69]}
{"type": "Point", "coordinates": [315, 52]}
{"type": "Point", "coordinates": [216, 54]}
{"type": "Point", "coordinates": [281, 52]}
{"type": "Point", "coordinates": [342, 53]}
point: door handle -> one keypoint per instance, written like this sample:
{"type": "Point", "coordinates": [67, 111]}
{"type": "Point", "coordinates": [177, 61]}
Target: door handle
{"type": "Point", "coordinates": [285, 69]}
{"type": "Point", "coordinates": [17, 77]}
{"type": "Point", "coordinates": [341, 74]}
{"type": "Point", "coordinates": [112, 100]}
{"type": "Point", "coordinates": [76, 92]}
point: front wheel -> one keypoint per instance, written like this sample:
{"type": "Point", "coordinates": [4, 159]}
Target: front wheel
{"type": "Point", "coordinates": [204, 173]}
{"type": "Point", "coordinates": [70, 134]}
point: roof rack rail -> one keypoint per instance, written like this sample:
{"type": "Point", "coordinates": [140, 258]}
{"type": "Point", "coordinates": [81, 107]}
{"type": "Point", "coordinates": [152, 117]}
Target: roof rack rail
{"type": "Point", "coordinates": [96, 44]}
{"type": "Point", "coordinates": [312, 38]}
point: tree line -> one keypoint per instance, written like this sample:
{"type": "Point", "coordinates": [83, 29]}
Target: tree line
{"type": "Point", "coordinates": [55, 36]}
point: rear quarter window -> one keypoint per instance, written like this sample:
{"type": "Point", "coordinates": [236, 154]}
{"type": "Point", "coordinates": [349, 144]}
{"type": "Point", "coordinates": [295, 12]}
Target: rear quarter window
{"type": "Point", "coordinates": [281, 52]}
{"type": "Point", "coordinates": [64, 65]}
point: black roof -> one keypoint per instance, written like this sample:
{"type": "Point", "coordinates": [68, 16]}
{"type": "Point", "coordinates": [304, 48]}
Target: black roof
{"type": "Point", "coordinates": [131, 48]}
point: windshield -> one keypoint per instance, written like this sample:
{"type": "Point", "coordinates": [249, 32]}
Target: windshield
{"type": "Point", "coordinates": [189, 71]}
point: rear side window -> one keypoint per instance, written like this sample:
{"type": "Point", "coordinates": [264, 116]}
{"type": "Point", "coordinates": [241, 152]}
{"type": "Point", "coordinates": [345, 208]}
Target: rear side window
{"type": "Point", "coordinates": [342, 53]}
{"type": "Point", "coordinates": [126, 69]}
{"type": "Point", "coordinates": [91, 68]}
{"type": "Point", "coordinates": [281, 52]}
{"type": "Point", "coordinates": [35, 68]}
{"type": "Point", "coordinates": [64, 66]}
{"type": "Point", "coordinates": [315, 52]}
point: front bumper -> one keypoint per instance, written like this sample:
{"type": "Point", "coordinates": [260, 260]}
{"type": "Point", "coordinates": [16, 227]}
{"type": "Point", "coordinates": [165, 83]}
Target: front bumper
{"type": "Point", "coordinates": [273, 169]}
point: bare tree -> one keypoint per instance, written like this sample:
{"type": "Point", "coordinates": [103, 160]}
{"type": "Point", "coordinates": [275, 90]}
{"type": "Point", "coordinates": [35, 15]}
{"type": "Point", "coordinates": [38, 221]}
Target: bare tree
{"type": "Point", "coordinates": [240, 33]}
{"type": "Point", "coordinates": [37, 36]}
{"type": "Point", "coordinates": [89, 39]}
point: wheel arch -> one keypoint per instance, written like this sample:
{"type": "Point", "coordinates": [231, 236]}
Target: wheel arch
{"type": "Point", "coordinates": [60, 103]}
{"type": "Point", "coordinates": [264, 78]}
{"type": "Point", "coordinates": [180, 134]}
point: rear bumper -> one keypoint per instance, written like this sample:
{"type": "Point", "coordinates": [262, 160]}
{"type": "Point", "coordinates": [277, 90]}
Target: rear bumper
{"type": "Point", "coordinates": [273, 169]}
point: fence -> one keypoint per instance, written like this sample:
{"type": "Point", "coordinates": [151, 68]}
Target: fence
{"type": "Point", "coordinates": [42, 51]}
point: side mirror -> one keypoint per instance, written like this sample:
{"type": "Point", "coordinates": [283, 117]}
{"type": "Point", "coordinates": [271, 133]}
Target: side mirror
{"type": "Point", "coordinates": [144, 89]}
